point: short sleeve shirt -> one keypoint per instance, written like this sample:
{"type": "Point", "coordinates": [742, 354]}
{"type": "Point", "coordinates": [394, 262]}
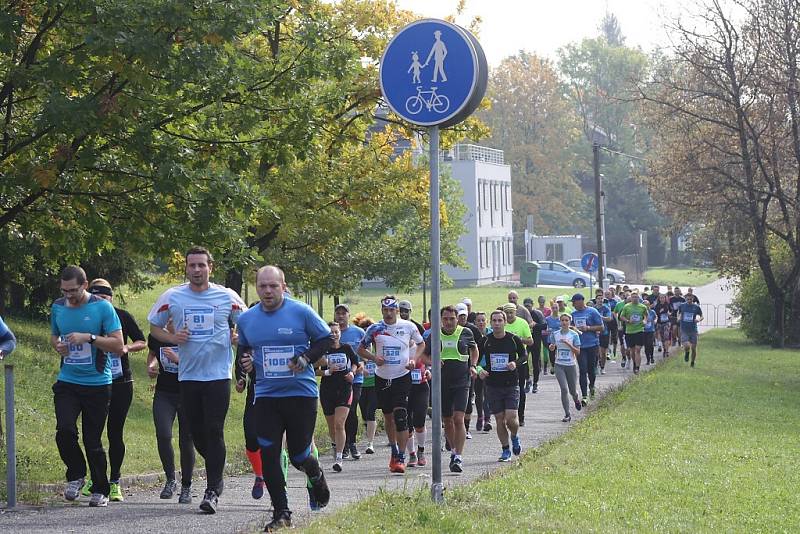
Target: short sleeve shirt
{"type": "Point", "coordinates": [393, 342]}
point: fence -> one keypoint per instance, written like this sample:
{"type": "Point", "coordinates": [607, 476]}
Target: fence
{"type": "Point", "coordinates": [717, 316]}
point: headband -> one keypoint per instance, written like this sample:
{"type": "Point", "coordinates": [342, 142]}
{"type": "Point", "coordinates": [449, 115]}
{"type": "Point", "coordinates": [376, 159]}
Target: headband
{"type": "Point", "coordinates": [390, 303]}
{"type": "Point", "coordinates": [102, 290]}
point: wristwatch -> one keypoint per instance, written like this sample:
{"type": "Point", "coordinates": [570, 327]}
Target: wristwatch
{"type": "Point", "coordinates": [92, 338]}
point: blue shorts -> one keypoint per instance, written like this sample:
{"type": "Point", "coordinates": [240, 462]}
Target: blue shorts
{"type": "Point", "coordinates": [688, 337]}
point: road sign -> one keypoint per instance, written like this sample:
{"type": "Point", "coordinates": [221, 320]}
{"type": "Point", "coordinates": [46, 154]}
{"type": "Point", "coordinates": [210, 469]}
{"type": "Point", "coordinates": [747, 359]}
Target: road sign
{"type": "Point", "coordinates": [433, 73]}
{"type": "Point", "coordinates": [590, 262]}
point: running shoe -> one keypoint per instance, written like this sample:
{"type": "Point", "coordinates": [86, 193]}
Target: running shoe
{"type": "Point", "coordinates": [636, 370]}
{"type": "Point", "coordinates": [354, 454]}
{"type": "Point", "coordinates": [421, 460]}
{"type": "Point", "coordinates": [73, 489]}
{"type": "Point", "coordinates": [258, 488]}
{"type": "Point", "coordinates": [457, 465]}
{"type": "Point", "coordinates": [447, 445]}
{"type": "Point", "coordinates": [398, 466]}
{"type": "Point", "coordinates": [87, 488]}
{"type": "Point", "coordinates": [578, 405]}
{"type": "Point", "coordinates": [312, 501]}
{"type": "Point", "coordinates": [346, 452]}
{"type": "Point", "coordinates": [624, 362]}
{"type": "Point", "coordinates": [279, 520]}
{"type": "Point", "coordinates": [479, 425]}
{"type": "Point", "coordinates": [487, 426]}
{"type": "Point", "coordinates": [370, 448]}
{"type": "Point", "coordinates": [320, 489]}
{"type": "Point", "coordinates": [169, 489]}
{"type": "Point", "coordinates": [602, 371]}
{"type": "Point", "coordinates": [98, 500]}
{"type": "Point", "coordinates": [412, 459]}
{"type": "Point", "coordinates": [469, 434]}
{"type": "Point", "coordinates": [566, 419]}
{"type": "Point", "coordinates": [692, 364]}
{"type": "Point", "coordinates": [337, 466]}
{"type": "Point", "coordinates": [535, 388]}
{"type": "Point", "coordinates": [505, 456]}
{"type": "Point", "coordinates": [686, 356]}
{"type": "Point", "coordinates": [584, 401]}
{"type": "Point", "coordinates": [552, 371]}
{"type": "Point", "coordinates": [516, 448]}
{"type": "Point", "coordinates": [528, 386]}
{"type": "Point", "coordinates": [591, 393]}
{"type": "Point", "coordinates": [186, 495]}
{"type": "Point", "coordinates": [209, 502]}
{"type": "Point", "coordinates": [115, 494]}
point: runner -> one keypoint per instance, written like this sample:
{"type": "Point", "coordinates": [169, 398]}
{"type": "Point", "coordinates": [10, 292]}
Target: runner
{"type": "Point", "coordinates": [121, 389]}
{"type": "Point", "coordinates": [501, 350]}
{"type": "Point", "coordinates": [624, 350]}
{"type": "Point", "coordinates": [481, 402]}
{"type": "Point", "coordinates": [521, 312]}
{"type": "Point", "coordinates": [336, 390]}
{"type": "Point", "coordinates": [351, 335]}
{"type": "Point", "coordinates": [566, 344]}
{"type": "Point", "coordinates": [600, 304]}
{"type": "Point", "coordinates": [633, 316]}
{"type": "Point", "coordinates": [663, 324]}
{"type": "Point", "coordinates": [368, 403]}
{"type": "Point", "coordinates": [589, 323]}
{"type": "Point", "coordinates": [613, 330]}
{"type": "Point", "coordinates": [8, 342]}
{"type": "Point", "coordinates": [675, 302]}
{"type": "Point", "coordinates": [393, 338]}
{"type": "Point", "coordinates": [521, 329]}
{"type": "Point", "coordinates": [459, 360]}
{"type": "Point", "coordinates": [553, 325]}
{"type": "Point", "coordinates": [203, 314]}
{"type": "Point", "coordinates": [477, 335]}
{"type": "Point", "coordinates": [689, 314]}
{"type": "Point", "coordinates": [281, 339]}
{"type": "Point", "coordinates": [84, 328]}
{"type": "Point", "coordinates": [405, 314]}
{"type": "Point", "coordinates": [538, 324]}
{"type": "Point", "coordinates": [650, 334]}
{"type": "Point", "coordinates": [162, 364]}
{"type": "Point", "coordinates": [418, 399]}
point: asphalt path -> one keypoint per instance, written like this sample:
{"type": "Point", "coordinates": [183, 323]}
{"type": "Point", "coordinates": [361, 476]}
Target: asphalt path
{"type": "Point", "coordinates": [143, 511]}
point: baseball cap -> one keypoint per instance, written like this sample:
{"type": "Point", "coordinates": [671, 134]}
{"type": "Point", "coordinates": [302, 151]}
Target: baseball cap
{"type": "Point", "coordinates": [559, 298]}
{"type": "Point", "coordinates": [577, 296]}
{"type": "Point", "coordinates": [404, 305]}
{"type": "Point", "coordinates": [509, 307]}
{"type": "Point", "coordinates": [345, 307]}
{"type": "Point", "coordinates": [467, 301]}
{"type": "Point", "coordinates": [461, 309]}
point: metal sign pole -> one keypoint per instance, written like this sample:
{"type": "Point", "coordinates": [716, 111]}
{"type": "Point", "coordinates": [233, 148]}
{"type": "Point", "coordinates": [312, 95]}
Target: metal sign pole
{"type": "Point", "coordinates": [11, 439]}
{"type": "Point", "coordinates": [437, 488]}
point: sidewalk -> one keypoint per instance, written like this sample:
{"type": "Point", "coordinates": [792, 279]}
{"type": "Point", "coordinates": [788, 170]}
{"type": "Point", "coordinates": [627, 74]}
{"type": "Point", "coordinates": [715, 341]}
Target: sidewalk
{"type": "Point", "coordinates": [143, 511]}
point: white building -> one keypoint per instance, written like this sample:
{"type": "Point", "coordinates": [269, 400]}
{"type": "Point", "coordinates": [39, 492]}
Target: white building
{"type": "Point", "coordinates": [486, 184]}
{"type": "Point", "coordinates": [553, 247]}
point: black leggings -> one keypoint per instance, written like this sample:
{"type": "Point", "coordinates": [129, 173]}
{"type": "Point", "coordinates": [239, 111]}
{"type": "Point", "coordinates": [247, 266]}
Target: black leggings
{"type": "Point", "coordinates": [535, 352]}
{"type": "Point", "coordinates": [297, 417]}
{"type": "Point", "coordinates": [418, 405]}
{"type": "Point", "coordinates": [522, 372]}
{"type": "Point", "coordinates": [351, 425]}
{"type": "Point", "coordinates": [649, 344]}
{"type": "Point", "coordinates": [587, 362]}
{"type": "Point", "coordinates": [166, 406]}
{"type": "Point", "coordinates": [121, 397]}
{"type": "Point", "coordinates": [249, 420]}
{"type": "Point", "coordinates": [368, 402]}
{"type": "Point", "coordinates": [480, 389]}
{"type": "Point", "coordinates": [206, 406]}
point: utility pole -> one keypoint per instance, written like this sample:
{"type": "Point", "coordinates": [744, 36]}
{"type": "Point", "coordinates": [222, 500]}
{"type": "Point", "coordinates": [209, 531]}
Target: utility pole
{"type": "Point", "coordinates": [600, 215]}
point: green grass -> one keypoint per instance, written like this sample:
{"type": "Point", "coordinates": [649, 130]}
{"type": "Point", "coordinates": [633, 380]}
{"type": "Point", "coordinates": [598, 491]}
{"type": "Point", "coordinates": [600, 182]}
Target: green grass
{"type": "Point", "coordinates": [36, 367]}
{"type": "Point", "coordinates": [679, 450]}
{"type": "Point", "coordinates": [681, 277]}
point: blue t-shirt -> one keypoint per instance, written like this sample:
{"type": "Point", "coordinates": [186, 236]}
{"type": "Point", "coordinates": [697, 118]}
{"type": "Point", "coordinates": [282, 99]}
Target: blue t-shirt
{"type": "Point", "coordinates": [352, 336]}
{"type": "Point", "coordinates": [553, 324]}
{"type": "Point", "coordinates": [209, 316]}
{"type": "Point", "coordinates": [274, 337]}
{"type": "Point", "coordinates": [588, 317]}
{"type": "Point", "coordinates": [84, 365]}
{"type": "Point", "coordinates": [7, 340]}
{"type": "Point", "coordinates": [564, 354]}
{"type": "Point", "coordinates": [604, 312]}
{"type": "Point", "coordinates": [650, 322]}
{"type": "Point", "coordinates": [687, 314]}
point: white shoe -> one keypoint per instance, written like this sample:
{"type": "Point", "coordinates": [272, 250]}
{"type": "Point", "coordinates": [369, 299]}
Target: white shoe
{"type": "Point", "coordinates": [98, 499]}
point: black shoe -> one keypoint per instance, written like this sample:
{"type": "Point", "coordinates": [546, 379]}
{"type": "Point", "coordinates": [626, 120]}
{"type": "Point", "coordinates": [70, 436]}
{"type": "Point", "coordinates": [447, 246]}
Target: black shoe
{"type": "Point", "coordinates": [686, 356]}
{"type": "Point", "coordinates": [169, 489]}
{"type": "Point", "coordinates": [692, 364]}
{"type": "Point", "coordinates": [279, 521]}
{"type": "Point", "coordinates": [535, 388]}
{"type": "Point", "coordinates": [320, 489]}
{"type": "Point", "coordinates": [209, 504]}
{"type": "Point", "coordinates": [447, 445]}
{"type": "Point", "coordinates": [521, 421]}
{"type": "Point", "coordinates": [354, 454]}
{"type": "Point", "coordinates": [346, 452]}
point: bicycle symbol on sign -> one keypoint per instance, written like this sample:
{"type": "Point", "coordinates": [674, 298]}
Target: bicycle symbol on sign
{"type": "Point", "coordinates": [429, 99]}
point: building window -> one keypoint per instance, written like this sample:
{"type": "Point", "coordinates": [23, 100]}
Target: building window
{"type": "Point", "coordinates": [554, 251]}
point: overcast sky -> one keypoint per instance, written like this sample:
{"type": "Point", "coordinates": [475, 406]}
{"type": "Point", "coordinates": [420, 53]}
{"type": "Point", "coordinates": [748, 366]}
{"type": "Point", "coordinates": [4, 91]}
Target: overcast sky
{"type": "Point", "coordinates": [543, 26]}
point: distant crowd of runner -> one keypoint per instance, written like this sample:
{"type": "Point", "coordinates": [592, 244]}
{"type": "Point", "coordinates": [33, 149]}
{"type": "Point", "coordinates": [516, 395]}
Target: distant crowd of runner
{"type": "Point", "coordinates": [287, 357]}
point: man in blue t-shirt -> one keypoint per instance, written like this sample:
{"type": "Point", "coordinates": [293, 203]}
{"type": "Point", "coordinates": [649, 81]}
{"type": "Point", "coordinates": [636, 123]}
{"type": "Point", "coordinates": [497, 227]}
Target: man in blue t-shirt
{"type": "Point", "coordinates": [351, 335]}
{"type": "Point", "coordinates": [83, 329]}
{"type": "Point", "coordinates": [7, 340]}
{"type": "Point", "coordinates": [280, 340]}
{"type": "Point", "coordinates": [590, 324]}
{"type": "Point", "coordinates": [689, 314]}
{"type": "Point", "coordinates": [203, 315]}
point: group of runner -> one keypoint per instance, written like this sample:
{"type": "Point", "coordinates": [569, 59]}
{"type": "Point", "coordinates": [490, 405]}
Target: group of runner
{"type": "Point", "coordinates": [281, 348]}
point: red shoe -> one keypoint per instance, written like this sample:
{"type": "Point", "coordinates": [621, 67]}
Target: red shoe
{"type": "Point", "coordinates": [397, 466]}
{"type": "Point", "coordinates": [421, 461]}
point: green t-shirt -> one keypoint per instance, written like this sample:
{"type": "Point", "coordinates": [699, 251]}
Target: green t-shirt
{"type": "Point", "coordinates": [520, 328]}
{"type": "Point", "coordinates": [618, 308]}
{"type": "Point", "coordinates": [636, 313]}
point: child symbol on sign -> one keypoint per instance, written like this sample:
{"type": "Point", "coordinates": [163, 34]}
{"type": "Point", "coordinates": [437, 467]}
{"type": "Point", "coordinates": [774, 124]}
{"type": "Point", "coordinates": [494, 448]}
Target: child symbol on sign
{"type": "Point", "coordinates": [415, 67]}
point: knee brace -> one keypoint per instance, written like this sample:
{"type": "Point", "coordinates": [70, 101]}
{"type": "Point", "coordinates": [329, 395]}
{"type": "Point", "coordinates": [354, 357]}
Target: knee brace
{"type": "Point", "coordinates": [400, 419]}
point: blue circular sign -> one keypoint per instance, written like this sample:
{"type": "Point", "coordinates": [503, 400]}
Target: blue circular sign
{"type": "Point", "coordinates": [431, 71]}
{"type": "Point", "coordinates": [590, 262]}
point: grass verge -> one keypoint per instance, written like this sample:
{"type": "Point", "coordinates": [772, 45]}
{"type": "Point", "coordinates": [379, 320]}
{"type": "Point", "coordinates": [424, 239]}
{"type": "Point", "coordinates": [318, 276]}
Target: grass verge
{"type": "Point", "coordinates": [681, 277]}
{"type": "Point", "coordinates": [679, 449]}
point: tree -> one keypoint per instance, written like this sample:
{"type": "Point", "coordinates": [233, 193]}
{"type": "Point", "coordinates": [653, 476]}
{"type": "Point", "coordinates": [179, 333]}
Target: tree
{"type": "Point", "coordinates": [725, 107]}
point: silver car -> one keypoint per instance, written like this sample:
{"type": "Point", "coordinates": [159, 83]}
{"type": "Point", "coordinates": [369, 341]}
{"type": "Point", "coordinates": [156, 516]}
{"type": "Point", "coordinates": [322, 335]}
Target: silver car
{"type": "Point", "coordinates": [614, 275]}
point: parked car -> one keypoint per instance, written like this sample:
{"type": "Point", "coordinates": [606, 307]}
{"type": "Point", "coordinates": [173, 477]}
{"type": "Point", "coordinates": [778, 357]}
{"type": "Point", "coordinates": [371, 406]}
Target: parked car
{"type": "Point", "coordinates": [614, 275]}
{"type": "Point", "coordinates": [554, 273]}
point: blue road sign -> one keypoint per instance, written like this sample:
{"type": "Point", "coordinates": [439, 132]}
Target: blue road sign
{"type": "Point", "coordinates": [433, 73]}
{"type": "Point", "coordinates": [590, 262]}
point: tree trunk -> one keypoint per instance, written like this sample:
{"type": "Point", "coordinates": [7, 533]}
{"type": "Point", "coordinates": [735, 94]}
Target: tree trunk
{"type": "Point", "coordinates": [793, 330]}
{"type": "Point", "coordinates": [673, 248]}
{"type": "Point", "coordinates": [234, 279]}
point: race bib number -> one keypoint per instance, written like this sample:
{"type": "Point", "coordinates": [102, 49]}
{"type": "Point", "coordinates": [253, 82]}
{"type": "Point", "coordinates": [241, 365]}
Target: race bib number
{"type": "Point", "coordinates": [337, 362]}
{"type": "Point", "coordinates": [79, 353]}
{"type": "Point", "coordinates": [369, 367]}
{"type": "Point", "coordinates": [664, 317]}
{"type": "Point", "coordinates": [275, 361]}
{"type": "Point", "coordinates": [168, 365]}
{"type": "Point", "coordinates": [450, 344]}
{"type": "Point", "coordinates": [564, 355]}
{"type": "Point", "coordinates": [688, 317]}
{"type": "Point", "coordinates": [636, 318]}
{"type": "Point", "coordinates": [499, 362]}
{"type": "Point", "coordinates": [580, 322]}
{"type": "Point", "coordinates": [116, 365]}
{"type": "Point", "coordinates": [416, 376]}
{"type": "Point", "coordinates": [391, 354]}
{"type": "Point", "coordinates": [199, 320]}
